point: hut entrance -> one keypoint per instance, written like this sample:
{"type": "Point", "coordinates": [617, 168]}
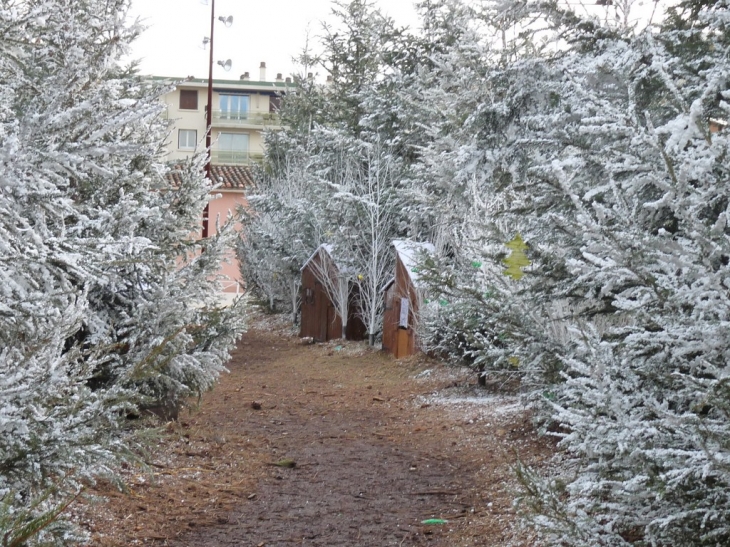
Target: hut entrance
{"type": "Point", "coordinates": [321, 319]}
{"type": "Point", "coordinates": [398, 334]}
{"type": "Point", "coordinates": [321, 304]}
{"type": "Point", "coordinates": [404, 346]}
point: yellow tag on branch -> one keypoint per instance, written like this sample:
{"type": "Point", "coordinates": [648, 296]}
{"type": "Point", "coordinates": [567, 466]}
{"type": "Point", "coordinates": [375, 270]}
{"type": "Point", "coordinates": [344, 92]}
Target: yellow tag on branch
{"type": "Point", "coordinates": [517, 259]}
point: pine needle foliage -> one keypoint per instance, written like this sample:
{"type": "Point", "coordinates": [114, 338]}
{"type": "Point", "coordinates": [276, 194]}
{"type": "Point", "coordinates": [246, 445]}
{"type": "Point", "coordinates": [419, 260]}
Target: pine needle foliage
{"type": "Point", "coordinates": [106, 302]}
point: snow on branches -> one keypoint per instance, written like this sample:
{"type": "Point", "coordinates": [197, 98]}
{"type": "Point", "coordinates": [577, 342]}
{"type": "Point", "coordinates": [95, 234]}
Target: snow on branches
{"type": "Point", "coordinates": [106, 302]}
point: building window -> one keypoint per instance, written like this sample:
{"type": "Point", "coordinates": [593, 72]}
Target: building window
{"type": "Point", "coordinates": [234, 107]}
{"type": "Point", "coordinates": [274, 104]}
{"type": "Point", "coordinates": [187, 139]}
{"type": "Point", "coordinates": [233, 148]}
{"type": "Point", "coordinates": [188, 99]}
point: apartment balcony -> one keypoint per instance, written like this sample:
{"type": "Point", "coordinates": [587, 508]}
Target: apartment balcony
{"type": "Point", "coordinates": [232, 157]}
{"type": "Point", "coordinates": [245, 119]}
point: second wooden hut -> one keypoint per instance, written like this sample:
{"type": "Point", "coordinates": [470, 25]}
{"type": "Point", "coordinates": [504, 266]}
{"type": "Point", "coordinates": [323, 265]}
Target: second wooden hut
{"type": "Point", "coordinates": [403, 299]}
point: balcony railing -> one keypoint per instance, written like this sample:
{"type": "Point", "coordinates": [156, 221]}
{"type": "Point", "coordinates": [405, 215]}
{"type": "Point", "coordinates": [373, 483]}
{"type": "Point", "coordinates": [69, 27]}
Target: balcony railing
{"type": "Point", "coordinates": [245, 118]}
{"type": "Point", "coordinates": [233, 157]}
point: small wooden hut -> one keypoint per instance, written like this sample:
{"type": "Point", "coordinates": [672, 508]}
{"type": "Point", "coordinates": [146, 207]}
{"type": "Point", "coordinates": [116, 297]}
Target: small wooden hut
{"type": "Point", "coordinates": [320, 320]}
{"type": "Point", "coordinates": [403, 299]}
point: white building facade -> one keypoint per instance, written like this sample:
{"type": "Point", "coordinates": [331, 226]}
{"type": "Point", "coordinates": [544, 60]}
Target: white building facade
{"type": "Point", "coordinates": [241, 109]}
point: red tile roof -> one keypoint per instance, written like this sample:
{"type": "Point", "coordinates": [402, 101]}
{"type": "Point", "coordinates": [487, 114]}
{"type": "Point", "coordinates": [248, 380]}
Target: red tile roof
{"type": "Point", "coordinates": [231, 177]}
{"type": "Point", "coordinates": [237, 177]}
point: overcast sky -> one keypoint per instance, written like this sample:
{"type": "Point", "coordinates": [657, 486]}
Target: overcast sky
{"type": "Point", "coordinates": [273, 31]}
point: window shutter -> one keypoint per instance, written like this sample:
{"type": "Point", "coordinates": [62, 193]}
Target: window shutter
{"type": "Point", "coordinates": [188, 99]}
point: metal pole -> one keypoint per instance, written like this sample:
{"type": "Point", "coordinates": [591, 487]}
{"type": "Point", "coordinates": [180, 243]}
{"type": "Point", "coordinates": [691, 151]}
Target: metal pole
{"type": "Point", "coordinates": [209, 115]}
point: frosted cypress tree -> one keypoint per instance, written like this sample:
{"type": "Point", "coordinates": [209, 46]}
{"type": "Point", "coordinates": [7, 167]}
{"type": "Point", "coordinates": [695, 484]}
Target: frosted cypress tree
{"type": "Point", "coordinates": [106, 302]}
{"type": "Point", "coordinates": [637, 186]}
{"type": "Point", "coordinates": [600, 153]}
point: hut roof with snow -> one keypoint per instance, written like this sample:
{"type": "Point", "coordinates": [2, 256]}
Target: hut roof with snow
{"type": "Point", "coordinates": [410, 254]}
{"type": "Point", "coordinates": [339, 264]}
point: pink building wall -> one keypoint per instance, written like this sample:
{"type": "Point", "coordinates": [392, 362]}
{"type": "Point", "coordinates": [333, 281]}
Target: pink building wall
{"type": "Point", "coordinates": [223, 202]}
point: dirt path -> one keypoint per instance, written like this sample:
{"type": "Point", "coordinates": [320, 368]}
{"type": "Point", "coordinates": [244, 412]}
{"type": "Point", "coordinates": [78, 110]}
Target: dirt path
{"type": "Point", "coordinates": [379, 446]}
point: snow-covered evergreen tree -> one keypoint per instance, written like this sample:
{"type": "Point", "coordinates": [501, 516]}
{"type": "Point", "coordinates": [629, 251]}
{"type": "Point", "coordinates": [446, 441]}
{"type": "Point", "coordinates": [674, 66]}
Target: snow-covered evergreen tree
{"type": "Point", "coordinates": [460, 195]}
{"type": "Point", "coordinates": [593, 142]}
{"type": "Point", "coordinates": [643, 401]}
{"type": "Point", "coordinates": [280, 226]}
{"type": "Point", "coordinates": [610, 171]}
{"type": "Point", "coordinates": [106, 302]}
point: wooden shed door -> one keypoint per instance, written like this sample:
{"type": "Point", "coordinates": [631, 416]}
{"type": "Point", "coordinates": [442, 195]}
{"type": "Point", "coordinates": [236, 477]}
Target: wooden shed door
{"type": "Point", "coordinates": [401, 347]}
{"type": "Point", "coordinates": [322, 305]}
{"type": "Point", "coordinates": [405, 332]}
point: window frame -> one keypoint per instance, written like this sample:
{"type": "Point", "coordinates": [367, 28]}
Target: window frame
{"type": "Point", "coordinates": [236, 134]}
{"type": "Point", "coordinates": [187, 132]}
{"type": "Point", "coordinates": [230, 154]}
{"type": "Point", "coordinates": [225, 102]}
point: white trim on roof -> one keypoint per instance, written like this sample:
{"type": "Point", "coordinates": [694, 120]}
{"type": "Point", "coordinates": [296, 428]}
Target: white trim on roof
{"type": "Point", "coordinates": [325, 246]}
